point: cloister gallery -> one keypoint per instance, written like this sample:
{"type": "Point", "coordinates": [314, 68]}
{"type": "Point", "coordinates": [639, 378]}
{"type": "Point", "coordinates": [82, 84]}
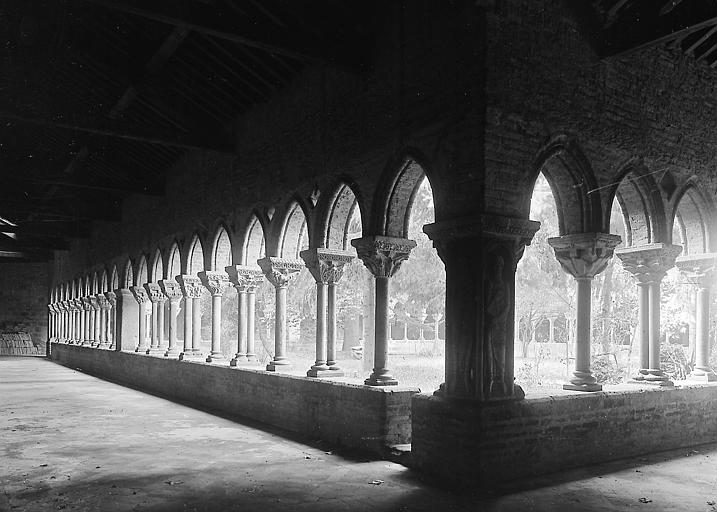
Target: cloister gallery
{"type": "Point", "coordinates": [193, 201]}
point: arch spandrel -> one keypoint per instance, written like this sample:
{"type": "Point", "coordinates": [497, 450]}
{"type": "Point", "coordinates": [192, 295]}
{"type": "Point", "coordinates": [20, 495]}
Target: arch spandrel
{"type": "Point", "coordinates": [174, 262]}
{"type": "Point", "coordinates": [254, 245]}
{"type": "Point", "coordinates": [157, 266]}
{"type": "Point", "coordinates": [221, 249]}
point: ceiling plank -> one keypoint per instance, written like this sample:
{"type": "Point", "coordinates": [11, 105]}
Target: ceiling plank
{"type": "Point", "coordinates": [216, 27]}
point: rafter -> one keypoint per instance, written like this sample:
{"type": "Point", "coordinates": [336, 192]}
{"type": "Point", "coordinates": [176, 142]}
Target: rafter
{"type": "Point", "coordinates": [203, 21]}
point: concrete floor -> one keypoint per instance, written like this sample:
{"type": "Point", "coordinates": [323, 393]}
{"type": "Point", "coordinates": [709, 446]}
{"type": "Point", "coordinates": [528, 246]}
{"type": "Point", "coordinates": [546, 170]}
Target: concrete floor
{"type": "Point", "coordinates": [69, 441]}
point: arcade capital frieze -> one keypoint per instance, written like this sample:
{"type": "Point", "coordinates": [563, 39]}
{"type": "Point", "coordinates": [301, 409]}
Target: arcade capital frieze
{"type": "Point", "coordinates": [214, 281]}
{"type": "Point", "coordinates": [584, 255]}
{"type": "Point", "coordinates": [280, 271]}
{"type": "Point", "coordinates": [171, 290]}
{"type": "Point", "coordinates": [245, 278]}
{"type": "Point", "coordinates": [326, 265]}
{"type": "Point", "coordinates": [154, 293]}
{"type": "Point", "coordinates": [649, 263]}
{"type": "Point", "coordinates": [191, 286]}
{"type": "Point", "coordinates": [699, 269]}
{"type": "Point", "coordinates": [383, 255]}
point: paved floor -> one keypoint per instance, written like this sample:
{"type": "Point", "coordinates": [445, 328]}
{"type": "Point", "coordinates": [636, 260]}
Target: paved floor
{"type": "Point", "coordinates": [69, 441]}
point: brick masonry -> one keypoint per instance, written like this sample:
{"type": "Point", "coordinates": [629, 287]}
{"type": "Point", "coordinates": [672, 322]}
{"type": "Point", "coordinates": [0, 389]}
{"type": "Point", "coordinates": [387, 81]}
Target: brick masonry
{"type": "Point", "coordinates": [466, 443]}
{"type": "Point", "coordinates": [23, 300]}
{"type": "Point", "coordinates": [348, 415]}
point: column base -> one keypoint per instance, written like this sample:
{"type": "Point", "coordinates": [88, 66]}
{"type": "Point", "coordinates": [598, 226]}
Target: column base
{"type": "Point", "coordinates": [142, 350]}
{"type": "Point", "coordinates": [172, 352]}
{"type": "Point", "coordinates": [583, 387]}
{"type": "Point", "coordinates": [191, 356]}
{"type": "Point", "coordinates": [275, 366]}
{"type": "Point", "coordinates": [380, 380]}
{"type": "Point", "coordinates": [104, 345]}
{"type": "Point", "coordinates": [658, 378]}
{"type": "Point", "coordinates": [702, 376]}
{"type": "Point", "coordinates": [321, 373]}
{"type": "Point", "coordinates": [215, 358]}
{"type": "Point", "coordinates": [154, 351]}
{"type": "Point", "coordinates": [238, 360]}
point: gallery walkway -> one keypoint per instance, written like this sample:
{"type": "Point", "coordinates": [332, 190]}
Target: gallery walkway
{"type": "Point", "coordinates": [69, 441]}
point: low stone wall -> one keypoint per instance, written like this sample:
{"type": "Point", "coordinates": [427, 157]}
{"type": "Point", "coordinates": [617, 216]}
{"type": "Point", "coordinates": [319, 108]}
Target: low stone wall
{"type": "Point", "coordinates": [347, 415]}
{"type": "Point", "coordinates": [466, 443]}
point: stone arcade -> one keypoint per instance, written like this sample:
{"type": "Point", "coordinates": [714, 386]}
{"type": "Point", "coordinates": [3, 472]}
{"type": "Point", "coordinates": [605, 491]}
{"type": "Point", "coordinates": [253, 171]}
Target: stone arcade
{"type": "Point", "coordinates": [610, 100]}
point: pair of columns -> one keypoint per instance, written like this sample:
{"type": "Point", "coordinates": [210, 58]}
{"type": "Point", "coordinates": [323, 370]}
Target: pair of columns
{"type": "Point", "coordinates": [648, 265]}
{"type": "Point", "coordinates": [86, 320]}
{"type": "Point", "coordinates": [245, 280]}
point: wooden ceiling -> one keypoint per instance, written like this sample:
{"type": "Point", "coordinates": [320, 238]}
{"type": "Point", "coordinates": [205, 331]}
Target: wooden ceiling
{"type": "Point", "coordinates": [101, 97]}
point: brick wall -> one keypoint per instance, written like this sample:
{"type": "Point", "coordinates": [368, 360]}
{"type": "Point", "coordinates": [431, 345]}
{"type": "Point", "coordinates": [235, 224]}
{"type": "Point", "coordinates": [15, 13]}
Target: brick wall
{"type": "Point", "coordinates": [465, 443]}
{"type": "Point", "coordinates": [23, 299]}
{"type": "Point", "coordinates": [344, 414]}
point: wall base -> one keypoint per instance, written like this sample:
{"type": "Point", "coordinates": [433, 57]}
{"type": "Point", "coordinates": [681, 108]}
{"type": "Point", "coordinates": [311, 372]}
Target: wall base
{"type": "Point", "coordinates": [467, 443]}
{"type": "Point", "coordinates": [348, 415]}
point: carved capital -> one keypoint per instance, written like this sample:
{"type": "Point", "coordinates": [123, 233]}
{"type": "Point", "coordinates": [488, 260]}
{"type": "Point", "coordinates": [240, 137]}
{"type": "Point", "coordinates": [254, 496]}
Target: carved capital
{"type": "Point", "coordinates": [87, 304]}
{"type": "Point", "coordinates": [214, 281]}
{"type": "Point", "coordinates": [102, 301]}
{"type": "Point", "coordinates": [280, 271]}
{"type": "Point", "coordinates": [584, 255]}
{"type": "Point", "coordinates": [171, 290]}
{"type": "Point", "coordinates": [699, 269]}
{"type": "Point", "coordinates": [383, 255]}
{"type": "Point", "coordinates": [61, 307]}
{"type": "Point", "coordinates": [140, 294]}
{"type": "Point", "coordinates": [649, 263]}
{"type": "Point", "coordinates": [111, 298]}
{"type": "Point", "coordinates": [245, 278]}
{"type": "Point", "coordinates": [191, 286]}
{"type": "Point", "coordinates": [326, 265]}
{"type": "Point", "coordinates": [154, 292]}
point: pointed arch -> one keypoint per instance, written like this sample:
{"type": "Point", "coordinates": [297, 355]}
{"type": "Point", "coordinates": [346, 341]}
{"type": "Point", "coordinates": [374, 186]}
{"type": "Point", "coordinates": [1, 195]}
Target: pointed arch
{"type": "Point", "coordinates": [195, 256]}
{"type": "Point", "coordinates": [104, 282]}
{"type": "Point", "coordinates": [221, 249]}
{"type": "Point", "coordinates": [572, 183]}
{"type": "Point", "coordinates": [395, 194]}
{"type": "Point", "coordinates": [174, 261]}
{"type": "Point", "coordinates": [114, 278]}
{"type": "Point", "coordinates": [128, 278]}
{"type": "Point", "coordinates": [142, 276]}
{"type": "Point", "coordinates": [294, 235]}
{"type": "Point", "coordinates": [95, 284]}
{"type": "Point", "coordinates": [638, 196]}
{"type": "Point", "coordinates": [254, 241]}
{"type": "Point", "coordinates": [67, 293]}
{"type": "Point", "coordinates": [87, 290]}
{"type": "Point", "coordinates": [341, 212]}
{"type": "Point", "coordinates": [694, 214]}
{"type": "Point", "coordinates": [76, 287]}
{"type": "Point", "coordinates": [157, 266]}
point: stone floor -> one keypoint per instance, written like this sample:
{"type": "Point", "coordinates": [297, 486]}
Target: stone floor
{"type": "Point", "coordinates": [69, 441]}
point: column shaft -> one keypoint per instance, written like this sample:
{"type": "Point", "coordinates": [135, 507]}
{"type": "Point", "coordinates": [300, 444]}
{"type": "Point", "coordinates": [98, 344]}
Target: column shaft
{"type": "Point", "coordinates": [583, 379]}
{"type": "Point", "coordinates": [197, 326]}
{"type": "Point", "coordinates": [643, 327]}
{"type": "Point", "coordinates": [250, 314]}
{"type": "Point", "coordinates": [142, 346]}
{"type": "Point", "coordinates": [173, 312]}
{"type": "Point", "coordinates": [240, 356]}
{"type": "Point", "coordinates": [380, 374]}
{"type": "Point", "coordinates": [280, 358]}
{"type": "Point", "coordinates": [320, 364]}
{"type": "Point", "coordinates": [216, 352]}
{"type": "Point", "coordinates": [154, 327]}
{"type": "Point", "coordinates": [188, 329]}
{"type": "Point", "coordinates": [331, 329]}
{"type": "Point", "coordinates": [703, 330]}
{"type": "Point", "coordinates": [160, 323]}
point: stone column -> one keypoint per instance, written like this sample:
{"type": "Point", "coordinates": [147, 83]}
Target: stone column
{"type": "Point", "coordinates": [95, 325]}
{"type": "Point", "coordinates": [140, 295]}
{"type": "Point", "coordinates": [111, 333]}
{"type": "Point", "coordinates": [551, 322]}
{"type": "Point", "coordinates": [648, 264]}
{"type": "Point", "coordinates": [86, 321]}
{"type": "Point", "coordinates": [76, 309]}
{"type": "Point", "coordinates": [105, 306]}
{"type": "Point", "coordinates": [191, 288]}
{"type": "Point", "coordinates": [480, 253]}
{"type": "Point", "coordinates": [157, 298]}
{"type": "Point", "coordinates": [280, 272]}
{"type": "Point", "coordinates": [382, 256]}
{"type": "Point", "coordinates": [583, 256]}
{"type": "Point", "coordinates": [327, 266]}
{"type": "Point", "coordinates": [173, 293]}
{"type": "Point", "coordinates": [215, 282]}
{"type": "Point", "coordinates": [699, 270]}
{"type": "Point", "coordinates": [245, 279]}
{"type": "Point", "coordinates": [60, 307]}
